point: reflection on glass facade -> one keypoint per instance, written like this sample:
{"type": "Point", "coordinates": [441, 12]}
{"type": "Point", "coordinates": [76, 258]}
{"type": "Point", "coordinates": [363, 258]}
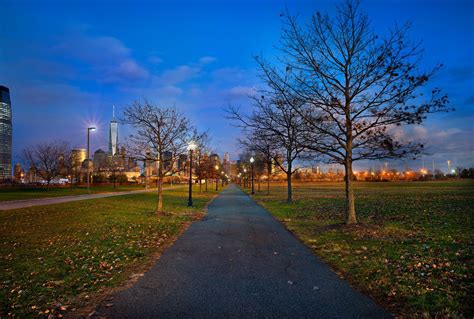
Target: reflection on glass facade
{"type": "Point", "coordinates": [5, 133]}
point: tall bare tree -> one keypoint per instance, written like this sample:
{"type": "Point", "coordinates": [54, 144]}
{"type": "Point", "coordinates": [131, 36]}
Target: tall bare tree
{"type": "Point", "coordinates": [158, 131]}
{"type": "Point", "coordinates": [357, 87]}
{"type": "Point", "coordinates": [49, 160]}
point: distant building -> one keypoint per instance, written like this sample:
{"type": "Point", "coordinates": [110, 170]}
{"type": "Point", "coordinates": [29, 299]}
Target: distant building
{"type": "Point", "coordinates": [18, 173]}
{"type": "Point", "coordinates": [215, 160]}
{"type": "Point", "coordinates": [113, 135]}
{"type": "Point", "coordinates": [78, 156]}
{"type": "Point", "coordinates": [100, 160]}
{"type": "Point", "coordinates": [182, 162]}
{"type": "Point", "coordinates": [168, 160]}
{"type": "Point", "coordinates": [226, 163]}
{"type": "Point", "coordinates": [5, 134]}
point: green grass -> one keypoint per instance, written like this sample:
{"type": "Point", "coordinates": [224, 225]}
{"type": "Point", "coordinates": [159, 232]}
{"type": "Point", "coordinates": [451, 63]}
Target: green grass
{"type": "Point", "coordinates": [412, 251]}
{"type": "Point", "coordinates": [54, 257]}
{"type": "Point", "coordinates": [8, 194]}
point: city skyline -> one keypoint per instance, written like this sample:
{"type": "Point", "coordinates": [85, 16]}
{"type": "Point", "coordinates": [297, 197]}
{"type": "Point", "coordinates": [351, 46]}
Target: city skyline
{"type": "Point", "coordinates": [60, 89]}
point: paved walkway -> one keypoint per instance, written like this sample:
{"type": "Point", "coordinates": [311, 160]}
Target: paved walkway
{"type": "Point", "coordinates": [239, 263]}
{"type": "Point", "coordinates": [14, 204]}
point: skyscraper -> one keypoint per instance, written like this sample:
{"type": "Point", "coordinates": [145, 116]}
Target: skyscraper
{"type": "Point", "coordinates": [5, 133]}
{"type": "Point", "coordinates": [113, 134]}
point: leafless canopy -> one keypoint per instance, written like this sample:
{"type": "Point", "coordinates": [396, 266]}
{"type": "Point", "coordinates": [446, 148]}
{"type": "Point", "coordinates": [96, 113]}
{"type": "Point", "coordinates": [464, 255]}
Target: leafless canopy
{"type": "Point", "coordinates": [356, 85]}
{"type": "Point", "coordinates": [159, 132]}
{"type": "Point", "coordinates": [275, 129]}
{"type": "Point", "coordinates": [49, 160]}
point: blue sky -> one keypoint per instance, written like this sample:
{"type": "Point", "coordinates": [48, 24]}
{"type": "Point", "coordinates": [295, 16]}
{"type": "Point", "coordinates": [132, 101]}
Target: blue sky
{"type": "Point", "coordinates": [67, 62]}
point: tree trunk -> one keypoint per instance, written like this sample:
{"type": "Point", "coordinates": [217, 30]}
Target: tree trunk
{"type": "Point", "coordinates": [159, 206]}
{"type": "Point", "coordinates": [289, 198]}
{"type": "Point", "coordinates": [258, 180]}
{"type": "Point", "coordinates": [350, 202]}
{"type": "Point", "coordinates": [269, 171]}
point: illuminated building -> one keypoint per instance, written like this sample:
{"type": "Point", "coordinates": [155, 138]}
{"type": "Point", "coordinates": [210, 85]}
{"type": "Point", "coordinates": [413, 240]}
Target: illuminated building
{"type": "Point", "coordinates": [5, 134]}
{"type": "Point", "coordinates": [113, 135]}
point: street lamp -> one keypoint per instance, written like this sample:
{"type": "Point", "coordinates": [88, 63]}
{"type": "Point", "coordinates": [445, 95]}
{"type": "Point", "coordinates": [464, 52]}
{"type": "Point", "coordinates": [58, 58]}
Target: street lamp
{"type": "Point", "coordinates": [252, 160]}
{"type": "Point", "coordinates": [191, 147]}
{"type": "Point", "coordinates": [89, 130]}
{"type": "Point", "coordinates": [222, 179]}
{"type": "Point", "coordinates": [217, 177]}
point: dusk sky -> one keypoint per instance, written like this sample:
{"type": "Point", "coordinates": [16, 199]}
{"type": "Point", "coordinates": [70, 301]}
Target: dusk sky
{"type": "Point", "coordinates": [67, 62]}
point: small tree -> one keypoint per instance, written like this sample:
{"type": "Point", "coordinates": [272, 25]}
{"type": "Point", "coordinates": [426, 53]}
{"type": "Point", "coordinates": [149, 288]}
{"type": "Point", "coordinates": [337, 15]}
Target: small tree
{"type": "Point", "coordinates": [115, 169]}
{"type": "Point", "coordinates": [159, 131]}
{"type": "Point", "coordinates": [357, 87]}
{"type": "Point", "coordinates": [264, 152]}
{"type": "Point", "coordinates": [275, 123]}
{"type": "Point", "coordinates": [48, 160]}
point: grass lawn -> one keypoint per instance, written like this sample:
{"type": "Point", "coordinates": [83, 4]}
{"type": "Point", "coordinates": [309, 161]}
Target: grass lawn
{"type": "Point", "coordinates": [53, 258]}
{"type": "Point", "coordinates": [7, 194]}
{"type": "Point", "coordinates": [412, 251]}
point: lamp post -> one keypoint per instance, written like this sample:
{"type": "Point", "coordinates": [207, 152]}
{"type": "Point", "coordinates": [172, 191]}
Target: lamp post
{"type": "Point", "coordinates": [252, 160]}
{"type": "Point", "coordinates": [191, 147]}
{"type": "Point", "coordinates": [89, 130]}
{"type": "Point", "coordinates": [217, 177]}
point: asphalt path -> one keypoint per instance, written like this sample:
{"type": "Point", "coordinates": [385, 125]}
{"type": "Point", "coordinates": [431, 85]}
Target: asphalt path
{"type": "Point", "coordinates": [239, 262]}
{"type": "Point", "coordinates": [15, 204]}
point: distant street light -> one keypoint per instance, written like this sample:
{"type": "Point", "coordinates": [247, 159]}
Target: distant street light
{"type": "Point", "coordinates": [191, 147]}
{"type": "Point", "coordinates": [89, 130]}
{"type": "Point", "coordinates": [217, 177]}
{"type": "Point", "coordinates": [252, 160]}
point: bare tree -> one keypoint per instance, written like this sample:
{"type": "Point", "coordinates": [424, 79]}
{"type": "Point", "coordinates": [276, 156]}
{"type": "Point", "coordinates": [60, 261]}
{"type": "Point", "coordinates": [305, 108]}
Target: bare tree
{"type": "Point", "coordinates": [275, 123]}
{"type": "Point", "coordinates": [115, 169]}
{"type": "Point", "coordinates": [357, 87]}
{"type": "Point", "coordinates": [264, 149]}
{"type": "Point", "coordinates": [202, 141]}
{"type": "Point", "coordinates": [159, 131]}
{"type": "Point", "coordinates": [48, 159]}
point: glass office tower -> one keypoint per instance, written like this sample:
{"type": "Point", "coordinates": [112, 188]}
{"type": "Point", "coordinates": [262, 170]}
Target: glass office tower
{"type": "Point", "coordinates": [113, 135]}
{"type": "Point", "coordinates": [5, 133]}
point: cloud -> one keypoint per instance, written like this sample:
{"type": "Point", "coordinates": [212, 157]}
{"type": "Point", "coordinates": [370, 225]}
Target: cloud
{"type": "Point", "coordinates": [178, 75]}
{"type": "Point", "coordinates": [109, 58]}
{"type": "Point", "coordinates": [170, 91]}
{"type": "Point", "coordinates": [155, 59]}
{"type": "Point", "coordinates": [207, 59]}
{"type": "Point", "coordinates": [94, 49]}
{"type": "Point", "coordinates": [50, 95]}
{"type": "Point", "coordinates": [242, 91]}
{"type": "Point", "coordinates": [233, 74]}
{"type": "Point", "coordinates": [126, 70]}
